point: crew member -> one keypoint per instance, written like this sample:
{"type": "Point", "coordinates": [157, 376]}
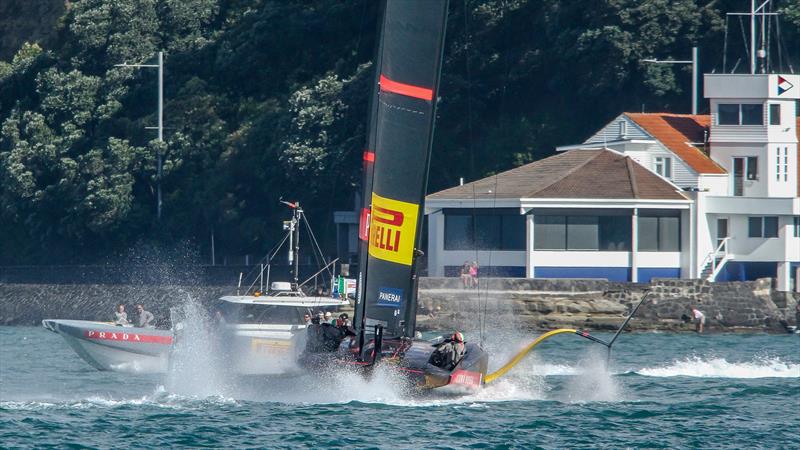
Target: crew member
{"type": "Point", "coordinates": [120, 316]}
{"type": "Point", "coordinates": [145, 319]}
{"type": "Point", "coordinates": [449, 352]}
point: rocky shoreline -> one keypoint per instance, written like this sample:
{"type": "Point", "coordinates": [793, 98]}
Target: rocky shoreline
{"type": "Point", "coordinates": [496, 303]}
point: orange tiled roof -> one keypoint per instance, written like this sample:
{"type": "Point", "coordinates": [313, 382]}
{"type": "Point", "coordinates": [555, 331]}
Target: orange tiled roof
{"type": "Point", "coordinates": [676, 131]}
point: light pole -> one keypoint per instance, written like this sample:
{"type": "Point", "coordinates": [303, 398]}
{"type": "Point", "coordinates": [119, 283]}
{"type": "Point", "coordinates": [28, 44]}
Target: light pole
{"type": "Point", "coordinates": [160, 126]}
{"type": "Point", "coordinates": [694, 64]}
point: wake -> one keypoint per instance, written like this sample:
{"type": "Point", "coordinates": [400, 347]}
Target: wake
{"type": "Point", "coordinates": [721, 368]}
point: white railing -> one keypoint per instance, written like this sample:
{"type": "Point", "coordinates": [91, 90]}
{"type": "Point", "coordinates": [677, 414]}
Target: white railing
{"type": "Point", "coordinates": [720, 252]}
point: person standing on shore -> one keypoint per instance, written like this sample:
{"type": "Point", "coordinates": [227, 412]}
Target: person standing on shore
{"type": "Point", "coordinates": [699, 319]}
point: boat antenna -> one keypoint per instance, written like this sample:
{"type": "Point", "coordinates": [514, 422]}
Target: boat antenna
{"type": "Point", "coordinates": [294, 238]}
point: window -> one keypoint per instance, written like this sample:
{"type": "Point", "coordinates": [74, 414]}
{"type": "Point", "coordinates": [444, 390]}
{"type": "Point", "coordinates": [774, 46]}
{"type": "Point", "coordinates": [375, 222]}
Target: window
{"type": "Point", "coordinates": [664, 166]}
{"type": "Point", "coordinates": [755, 227]}
{"type": "Point", "coordinates": [797, 226]}
{"type": "Point", "coordinates": [457, 232]}
{"type": "Point", "coordinates": [659, 233]}
{"type": "Point", "coordinates": [495, 229]}
{"type": "Point", "coordinates": [623, 129]}
{"type": "Point", "coordinates": [774, 114]}
{"type": "Point", "coordinates": [728, 114]}
{"type": "Point", "coordinates": [785, 163]}
{"type": "Point", "coordinates": [752, 168]}
{"type": "Point", "coordinates": [752, 114]}
{"type": "Point", "coordinates": [549, 232]}
{"type": "Point", "coordinates": [614, 233]}
{"type": "Point", "coordinates": [762, 227]}
{"type": "Point", "coordinates": [782, 164]}
{"type": "Point", "coordinates": [582, 233]}
{"type": "Point", "coordinates": [736, 114]}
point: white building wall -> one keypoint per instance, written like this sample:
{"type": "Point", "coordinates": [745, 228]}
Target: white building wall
{"type": "Point", "coordinates": [782, 170]}
{"type": "Point", "coordinates": [614, 131]}
{"type": "Point", "coordinates": [705, 232]}
{"type": "Point", "coordinates": [485, 258]}
{"type": "Point", "coordinates": [713, 184]}
{"type": "Point", "coordinates": [744, 248]}
{"type": "Point", "coordinates": [724, 155]}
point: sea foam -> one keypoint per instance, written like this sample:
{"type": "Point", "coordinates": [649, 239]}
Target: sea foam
{"type": "Point", "coordinates": [721, 368]}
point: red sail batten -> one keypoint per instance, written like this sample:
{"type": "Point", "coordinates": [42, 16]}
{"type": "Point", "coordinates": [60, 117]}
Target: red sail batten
{"type": "Point", "coordinates": [409, 90]}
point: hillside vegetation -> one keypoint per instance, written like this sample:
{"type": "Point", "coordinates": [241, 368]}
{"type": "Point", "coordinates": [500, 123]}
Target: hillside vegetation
{"type": "Point", "coordinates": [268, 99]}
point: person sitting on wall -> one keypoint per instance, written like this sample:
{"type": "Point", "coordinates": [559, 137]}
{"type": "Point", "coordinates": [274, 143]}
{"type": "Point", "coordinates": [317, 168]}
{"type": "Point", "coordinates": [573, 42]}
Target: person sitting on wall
{"type": "Point", "coordinates": [449, 352]}
{"type": "Point", "coordinates": [473, 274]}
{"type": "Point", "coordinates": [120, 316]}
{"type": "Point", "coordinates": [699, 319]}
{"type": "Point", "coordinates": [466, 279]}
{"type": "Point", "coordinates": [145, 318]}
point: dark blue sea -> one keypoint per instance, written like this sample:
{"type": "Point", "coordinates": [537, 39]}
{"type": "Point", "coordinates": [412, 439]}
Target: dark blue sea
{"type": "Point", "coordinates": [658, 391]}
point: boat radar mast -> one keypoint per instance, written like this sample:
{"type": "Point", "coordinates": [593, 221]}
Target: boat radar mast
{"type": "Point", "coordinates": [759, 38]}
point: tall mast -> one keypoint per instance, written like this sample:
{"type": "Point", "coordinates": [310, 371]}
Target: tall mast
{"type": "Point", "coordinates": [411, 49]}
{"type": "Point", "coordinates": [366, 187]}
{"type": "Point", "coordinates": [755, 53]}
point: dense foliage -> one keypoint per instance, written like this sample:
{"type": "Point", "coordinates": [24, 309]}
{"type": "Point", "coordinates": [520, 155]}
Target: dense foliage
{"type": "Point", "coordinates": [268, 99]}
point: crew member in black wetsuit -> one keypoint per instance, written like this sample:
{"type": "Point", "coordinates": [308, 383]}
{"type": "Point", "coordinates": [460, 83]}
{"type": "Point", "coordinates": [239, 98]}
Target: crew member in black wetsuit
{"type": "Point", "coordinates": [449, 352]}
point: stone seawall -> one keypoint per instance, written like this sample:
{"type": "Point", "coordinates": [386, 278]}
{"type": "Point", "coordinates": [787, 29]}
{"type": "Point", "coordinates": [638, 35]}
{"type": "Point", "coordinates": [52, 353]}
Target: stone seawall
{"type": "Point", "coordinates": [599, 304]}
{"type": "Point", "coordinates": [497, 302]}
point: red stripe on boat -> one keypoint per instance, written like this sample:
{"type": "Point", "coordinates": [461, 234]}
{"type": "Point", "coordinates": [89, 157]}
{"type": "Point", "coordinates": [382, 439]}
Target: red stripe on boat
{"type": "Point", "coordinates": [404, 369]}
{"type": "Point", "coordinates": [126, 337]}
{"type": "Point", "coordinates": [369, 156]}
{"type": "Point", "coordinates": [409, 90]}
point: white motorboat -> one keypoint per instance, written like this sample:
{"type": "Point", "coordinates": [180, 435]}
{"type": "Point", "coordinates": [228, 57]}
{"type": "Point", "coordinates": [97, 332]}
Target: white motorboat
{"type": "Point", "coordinates": [264, 335]}
{"type": "Point", "coordinates": [106, 346]}
{"type": "Point", "coordinates": [255, 334]}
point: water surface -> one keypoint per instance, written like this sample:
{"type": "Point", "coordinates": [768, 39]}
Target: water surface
{"type": "Point", "coordinates": [660, 391]}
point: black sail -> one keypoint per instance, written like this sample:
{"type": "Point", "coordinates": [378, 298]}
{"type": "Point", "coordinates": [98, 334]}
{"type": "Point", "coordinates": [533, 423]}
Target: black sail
{"type": "Point", "coordinates": [366, 183]}
{"type": "Point", "coordinates": [411, 54]}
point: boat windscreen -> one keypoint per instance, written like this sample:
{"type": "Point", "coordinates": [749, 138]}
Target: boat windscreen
{"type": "Point", "coordinates": [262, 314]}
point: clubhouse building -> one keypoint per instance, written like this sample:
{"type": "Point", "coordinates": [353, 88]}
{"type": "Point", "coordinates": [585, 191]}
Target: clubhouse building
{"type": "Point", "coordinates": [650, 195]}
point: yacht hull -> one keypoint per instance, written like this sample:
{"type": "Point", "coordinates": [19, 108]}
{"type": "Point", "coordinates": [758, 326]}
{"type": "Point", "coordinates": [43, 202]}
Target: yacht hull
{"type": "Point", "coordinates": [412, 360]}
{"type": "Point", "coordinates": [115, 348]}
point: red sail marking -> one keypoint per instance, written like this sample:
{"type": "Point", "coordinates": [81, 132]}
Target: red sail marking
{"type": "Point", "coordinates": [369, 156]}
{"type": "Point", "coordinates": [409, 90]}
{"type": "Point", "coordinates": [363, 225]}
{"type": "Point", "coordinates": [126, 337]}
{"type": "Point", "coordinates": [466, 378]}
{"type": "Point", "coordinates": [388, 216]}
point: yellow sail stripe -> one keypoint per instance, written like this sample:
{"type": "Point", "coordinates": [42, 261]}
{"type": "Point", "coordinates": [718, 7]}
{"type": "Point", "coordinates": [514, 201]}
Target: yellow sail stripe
{"type": "Point", "coordinates": [519, 356]}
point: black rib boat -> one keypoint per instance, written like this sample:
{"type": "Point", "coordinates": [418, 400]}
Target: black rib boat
{"type": "Point", "coordinates": [402, 114]}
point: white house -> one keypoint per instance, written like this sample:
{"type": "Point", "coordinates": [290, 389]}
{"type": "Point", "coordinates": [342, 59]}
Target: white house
{"type": "Point", "coordinates": [649, 195]}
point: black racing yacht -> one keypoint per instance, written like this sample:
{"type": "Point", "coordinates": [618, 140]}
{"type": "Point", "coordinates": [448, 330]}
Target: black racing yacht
{"type": "Point", "coordinates": [402, 114]}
